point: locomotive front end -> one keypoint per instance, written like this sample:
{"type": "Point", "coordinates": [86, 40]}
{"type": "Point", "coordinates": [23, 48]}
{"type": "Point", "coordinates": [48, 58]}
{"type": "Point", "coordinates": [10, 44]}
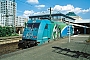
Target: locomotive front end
{"type": "Point", "coordinates": [29, 37]}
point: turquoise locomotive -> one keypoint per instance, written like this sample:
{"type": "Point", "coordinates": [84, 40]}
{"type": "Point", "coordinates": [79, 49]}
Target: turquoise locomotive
{"type": "Point", "coordinates": [38, 32]}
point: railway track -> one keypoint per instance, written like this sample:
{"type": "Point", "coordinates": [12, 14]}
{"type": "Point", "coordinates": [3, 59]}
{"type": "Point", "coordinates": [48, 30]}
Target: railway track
{"type": "Point", "coordinates": [9, 44]}
{"type": "Point", "coordinates": [5, 40]}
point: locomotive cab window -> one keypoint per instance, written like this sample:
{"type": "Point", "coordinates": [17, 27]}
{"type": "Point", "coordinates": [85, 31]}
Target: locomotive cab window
{"type": "Point", "coordinates": [33, 25]}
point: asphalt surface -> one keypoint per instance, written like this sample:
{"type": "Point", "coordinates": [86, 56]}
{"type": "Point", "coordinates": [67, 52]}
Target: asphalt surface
{"type": "Point", "coordinates": [55, 50]}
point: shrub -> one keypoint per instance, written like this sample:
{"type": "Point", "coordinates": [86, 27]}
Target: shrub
{"type": "Point", "coordinates": [6, 31]}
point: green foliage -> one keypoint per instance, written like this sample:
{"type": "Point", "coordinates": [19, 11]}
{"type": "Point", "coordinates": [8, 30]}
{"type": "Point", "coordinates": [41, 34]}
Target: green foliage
{"type": "Point", "coordinates": [15, 34]}
{"type": "Point", "coordinates": [25, 24]}
{"type": "Point", "coordinates": [6, 31]}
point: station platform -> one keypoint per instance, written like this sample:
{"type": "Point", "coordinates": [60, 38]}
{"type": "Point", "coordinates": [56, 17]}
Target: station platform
{"type": "Point", "coordinates": [61, 49]}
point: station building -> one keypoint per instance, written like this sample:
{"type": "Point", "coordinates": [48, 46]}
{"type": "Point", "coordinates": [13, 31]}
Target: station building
{"type": "Point", "coordinates": [82, 25]}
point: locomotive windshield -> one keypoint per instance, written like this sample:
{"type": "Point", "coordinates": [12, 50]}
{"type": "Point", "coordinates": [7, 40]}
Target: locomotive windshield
{"type": "Point", "coordinates": [33, 25]}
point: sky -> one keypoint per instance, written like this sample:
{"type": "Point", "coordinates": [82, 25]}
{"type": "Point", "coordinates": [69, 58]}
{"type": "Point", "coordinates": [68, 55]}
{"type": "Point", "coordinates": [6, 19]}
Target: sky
{"type": "Point", "coordinates": [27, 8]}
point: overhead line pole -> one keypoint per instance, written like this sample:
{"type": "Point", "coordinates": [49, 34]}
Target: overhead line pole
{"type": "Point", "coordinates": [50, 13]}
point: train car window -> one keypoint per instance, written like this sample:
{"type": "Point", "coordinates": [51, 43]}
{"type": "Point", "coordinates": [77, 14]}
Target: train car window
{"type": "Point", "coordinates": [33, 25]}
{"type": "Point", "coordinates": [46, 27]}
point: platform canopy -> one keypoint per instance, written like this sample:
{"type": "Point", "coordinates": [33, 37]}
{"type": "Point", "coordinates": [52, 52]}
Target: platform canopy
{"type": "Point", "coordinates": [82, 21]}
{"type": "Point", "coordinates": [80, 25]}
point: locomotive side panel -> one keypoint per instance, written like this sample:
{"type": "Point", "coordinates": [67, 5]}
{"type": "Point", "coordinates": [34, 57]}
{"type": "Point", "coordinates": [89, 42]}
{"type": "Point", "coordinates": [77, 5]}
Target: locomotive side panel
{"type": "Point", "coordinates": [39, 32]}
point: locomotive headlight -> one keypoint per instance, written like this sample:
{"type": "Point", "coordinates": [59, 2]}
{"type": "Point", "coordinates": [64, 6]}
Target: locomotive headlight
{"type": "Point", "coordinates": [34, 36]}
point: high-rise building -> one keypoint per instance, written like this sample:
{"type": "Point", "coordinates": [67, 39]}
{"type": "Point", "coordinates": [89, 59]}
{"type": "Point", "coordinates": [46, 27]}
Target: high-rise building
{"type": "Point", "coordinates": [7, 12]}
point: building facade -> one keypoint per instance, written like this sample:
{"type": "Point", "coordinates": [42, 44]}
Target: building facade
{"type": "Point", "coordinates": [82, 25]}
{"type": "Point", "coordinates": [20, 21]}
{"type": "Point", "coordinates": [7, 12]}
{"type": "Point", "coordinates": [20, 24]}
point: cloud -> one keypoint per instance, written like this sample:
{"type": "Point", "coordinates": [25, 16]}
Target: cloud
{"type": "Point", "coordinates": [28, 13]}
{"type": "Point", "coordinates": [69, 8]}
{"type": "Point", "coordinates": [56, 9]}
{"type": "Point", "coordinates": [19, 11]}
{"type": "Point", "coordinates": [33, 1]}
{"type": "Point", "coordinates": [41, 13]}
{"type": "Point", "coordinates": [63, 8]}
{"type": "Point", "coordinates": [40, 6]}
{"type": "Point", "coordinates": [87, 10]}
